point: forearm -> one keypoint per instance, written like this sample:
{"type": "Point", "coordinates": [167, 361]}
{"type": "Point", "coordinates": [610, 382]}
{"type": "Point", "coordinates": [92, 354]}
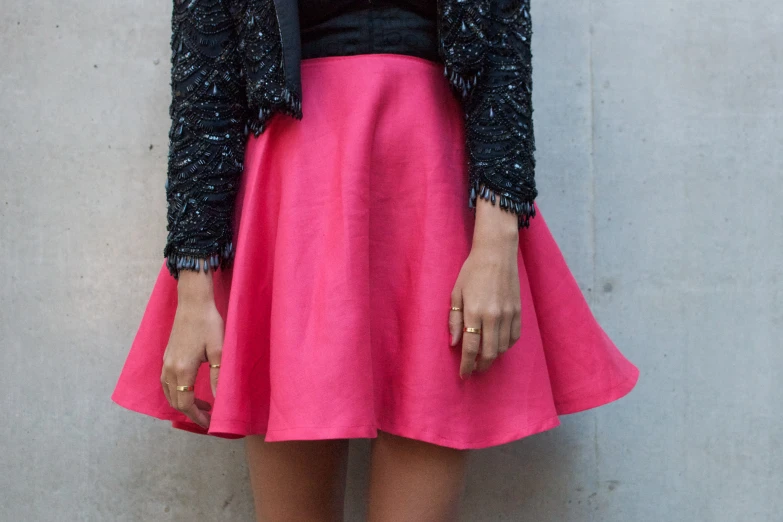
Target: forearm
{"type": "Point", "coordinates": [207, 138]}
{"type": "Point", "coordinates": [499, 117]}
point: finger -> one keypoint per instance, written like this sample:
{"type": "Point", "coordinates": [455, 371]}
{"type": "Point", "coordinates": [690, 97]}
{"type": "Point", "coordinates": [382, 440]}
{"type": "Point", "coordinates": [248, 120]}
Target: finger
{"type": "Point", "coordinates": [470, 344]}
{"type": "Point", "coordinates": [172, 385]}
{"type": "Point", "coordinates": [169, 383]}
{"type": "Point", "coordinates": [214, 356]}
{"type": "Point", "coordinates": [196, 415]}
{"type": "Point", "coordinates": [504, 333]}
{"type": "Point", "coordinates": [165, 385]}
{"type": "Point", "coordinates": [490, 326]}
{"type": "Point", "coordinates": [455, 317]}
{"type": "Point", "coordinates": [183, 399]}
{"type": "Point", "coordinates": [186, 403]}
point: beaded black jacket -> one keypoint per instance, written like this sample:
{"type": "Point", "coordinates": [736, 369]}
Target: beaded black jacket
{"type": "Point", "coordinates": [235, 64]}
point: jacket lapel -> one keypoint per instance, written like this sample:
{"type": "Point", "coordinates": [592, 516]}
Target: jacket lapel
{"type": "Point", "coordinates": [288, 21]}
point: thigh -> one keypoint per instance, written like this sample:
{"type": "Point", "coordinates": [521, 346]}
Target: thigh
{"type": "Point", "coordinates": [297, 481]}
{"type": "Point", "coordinates": [414, 481]}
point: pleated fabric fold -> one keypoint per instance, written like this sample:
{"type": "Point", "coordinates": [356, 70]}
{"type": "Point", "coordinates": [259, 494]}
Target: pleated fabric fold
{"type": "Point", "coordinates": [350, 229]}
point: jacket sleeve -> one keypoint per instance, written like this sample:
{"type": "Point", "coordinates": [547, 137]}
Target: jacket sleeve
{"type": "Point", "coordinates": [207, 136]}
{"type": "Point", "coordinates": [499, 113]}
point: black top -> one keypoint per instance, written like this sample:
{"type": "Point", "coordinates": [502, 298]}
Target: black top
{"type": "Point", "coordinates": [344, 27]}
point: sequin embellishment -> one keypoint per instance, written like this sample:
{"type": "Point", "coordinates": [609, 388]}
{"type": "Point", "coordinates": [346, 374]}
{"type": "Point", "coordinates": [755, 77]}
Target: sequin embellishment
{"type": "Point", "coordinates": [228, 79]}
{"type": "Point", "coordinates": [485, 45]}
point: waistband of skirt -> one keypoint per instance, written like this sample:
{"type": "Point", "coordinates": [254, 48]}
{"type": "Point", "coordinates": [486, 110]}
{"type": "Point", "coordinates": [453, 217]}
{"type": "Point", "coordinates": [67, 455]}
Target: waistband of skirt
{"type": "Point", "coordinates": [372, 57]}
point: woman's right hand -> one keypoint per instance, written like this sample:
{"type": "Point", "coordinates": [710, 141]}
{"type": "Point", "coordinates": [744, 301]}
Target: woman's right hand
{"type": "Point", "coordinates": [196, 337]}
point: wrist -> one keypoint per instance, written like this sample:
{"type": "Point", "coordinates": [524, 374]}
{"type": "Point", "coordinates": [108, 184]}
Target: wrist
{"type": "Point", "coordinates": [194, 285]}
{"type": "Point", "coordinates": [495, 225]}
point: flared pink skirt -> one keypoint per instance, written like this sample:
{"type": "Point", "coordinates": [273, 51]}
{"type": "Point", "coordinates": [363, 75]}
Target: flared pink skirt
{"type": "Point", "coordinates": [351, 227]}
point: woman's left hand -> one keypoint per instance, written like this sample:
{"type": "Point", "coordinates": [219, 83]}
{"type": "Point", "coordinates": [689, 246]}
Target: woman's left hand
{"type": "Point", "coordinates": [487, 291]}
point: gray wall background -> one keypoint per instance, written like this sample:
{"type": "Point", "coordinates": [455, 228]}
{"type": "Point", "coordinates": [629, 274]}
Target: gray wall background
{"type": "Point", "coordinates": [660, 132]}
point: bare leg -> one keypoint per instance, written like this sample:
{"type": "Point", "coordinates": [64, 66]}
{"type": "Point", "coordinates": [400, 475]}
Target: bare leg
{"type": "Point", "coordinates": [297, 481]}
{"type": "Point", "coordinates": [414, 481]}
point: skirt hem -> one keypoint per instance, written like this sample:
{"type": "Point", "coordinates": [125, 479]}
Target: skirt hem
{"type": "Point", "coordinates": [236, 429]}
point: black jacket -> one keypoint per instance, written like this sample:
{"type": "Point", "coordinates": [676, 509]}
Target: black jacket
{"type": "Point", "coordinates": [235, 63]}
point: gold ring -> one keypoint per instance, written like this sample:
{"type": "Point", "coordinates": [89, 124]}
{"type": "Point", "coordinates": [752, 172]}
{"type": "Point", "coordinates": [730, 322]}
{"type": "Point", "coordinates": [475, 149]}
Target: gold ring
{"type": "Point", "coordinates": [186, 388]}
{"type": "Point", "coordinates": [456, 308]}
{"type": "Point", "coordinates": [214, 365]}
{"type": "Point", "coordinates": [471, 330]}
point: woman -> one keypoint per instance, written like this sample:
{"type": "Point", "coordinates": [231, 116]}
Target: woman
{"type": "Point", "coordinates": [324, 277]}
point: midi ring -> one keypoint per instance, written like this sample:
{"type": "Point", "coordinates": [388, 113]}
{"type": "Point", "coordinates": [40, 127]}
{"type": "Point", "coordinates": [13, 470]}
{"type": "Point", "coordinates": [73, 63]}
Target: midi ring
{"type": "Point", "coordinates": [456, 308]}
{"type": "Point", "coordinates": [214, 365]}
{"type": "Point", "coordinates": [186, 388]}
{"type": "Point", "coordinates": [471, 330]}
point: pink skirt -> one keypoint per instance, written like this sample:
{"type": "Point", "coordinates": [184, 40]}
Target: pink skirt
{"type": "Point", "coordinates": [351, 227]}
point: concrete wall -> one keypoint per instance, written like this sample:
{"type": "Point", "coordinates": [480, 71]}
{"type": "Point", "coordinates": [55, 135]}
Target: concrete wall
{"type": "Point", "coordinates": [660, 132]}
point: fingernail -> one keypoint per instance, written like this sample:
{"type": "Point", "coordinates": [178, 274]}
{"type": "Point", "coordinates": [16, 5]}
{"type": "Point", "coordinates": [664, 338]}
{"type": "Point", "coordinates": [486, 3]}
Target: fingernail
{"type": "Point", "coordinates": [452, 339]}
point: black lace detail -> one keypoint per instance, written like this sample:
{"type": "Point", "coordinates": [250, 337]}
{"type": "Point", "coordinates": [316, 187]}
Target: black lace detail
{"type": "Point", "coordinates": [206, 149]}
{"type": "Point", "coordinates": [462, 42]}
{"type": "Point", "coordinates": [261, 48]}
{"type": "Point", "coordinates": [497, 101]}
{"type": "Point", "coordinates": [227, 78]}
